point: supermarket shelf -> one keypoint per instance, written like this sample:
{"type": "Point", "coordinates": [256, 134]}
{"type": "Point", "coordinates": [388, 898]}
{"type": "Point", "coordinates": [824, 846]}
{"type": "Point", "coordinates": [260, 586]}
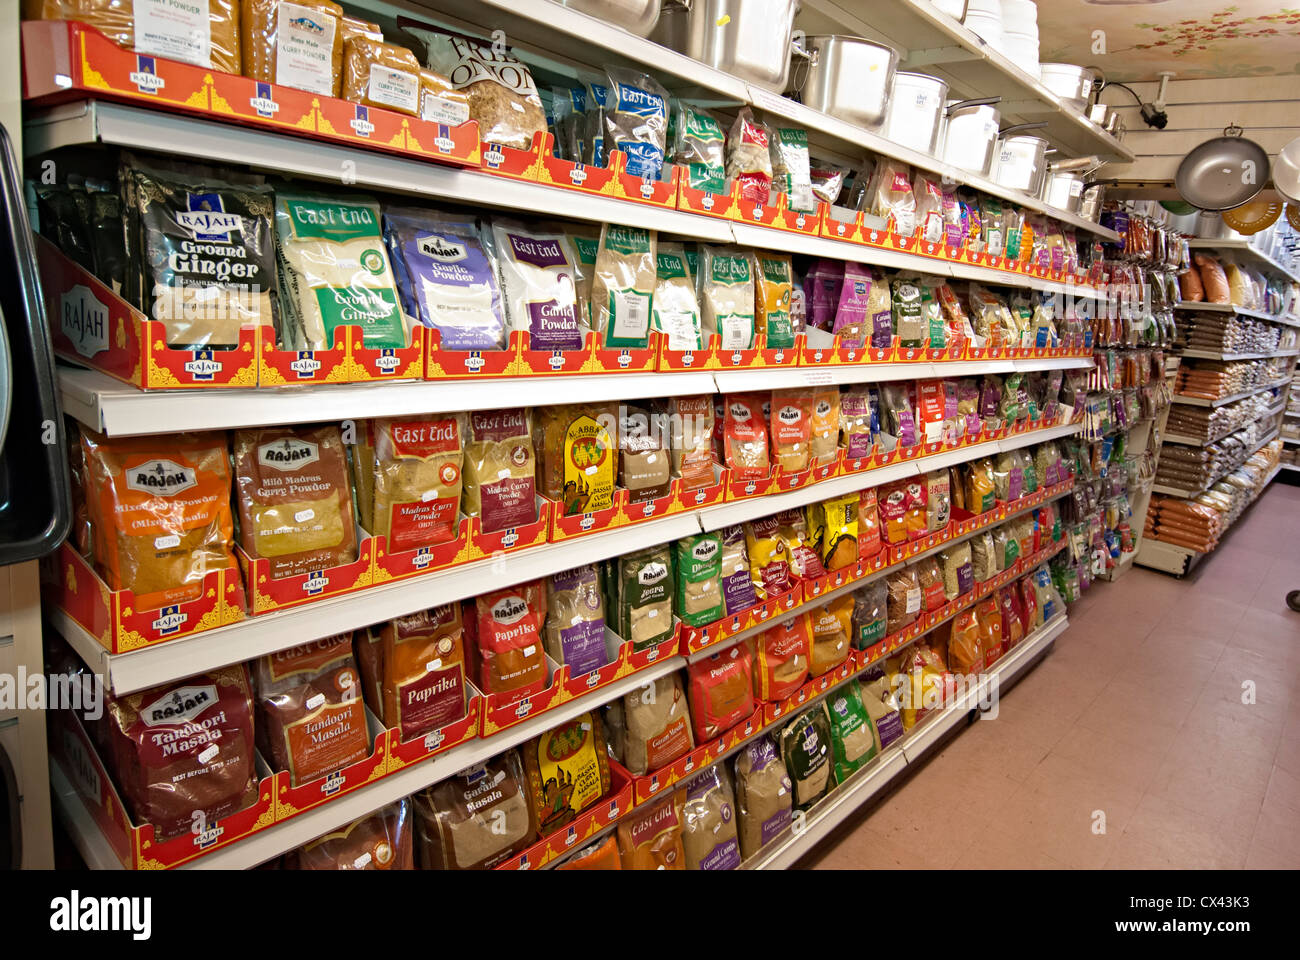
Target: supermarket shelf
{"type": "Point", "coordinates": [1188, 494]}
{"type": "Point", "coordinates": [1180, 560]}
{"type": "Point", "coordinates": [1193, 354]}
{"type": "Point", "coordinates": [857, 584]}
{"type": "Point", "coordinates": [786, 850]}
{"type": "Point", "coordinates": [1289, 467]}
{"type": "Point", "coordinates": [117, 409]}
{"type": "Point", "coordinates": [932, 42]}
{"type": "Point", "coordinates": [88, 122]}
{"type": "Point", "coordinates": [1246, 250]}
{"type": "Point", "coordinates": [1295, 442]}
{"type": "Point", "coordinates": [1187, 441]}
{"type": "Point", "coordinates": [568, 42]}
{"type": "Point", "coordinates": [1193, 305]}
{"type": "Point", "coordinates": [738, 511]}
{"type": "Point", "coordinates": [1202, 402]}
{"type": "Point", "coordinates": [291, 834]}
{"type": "Point", "coordinates": [255, 636]}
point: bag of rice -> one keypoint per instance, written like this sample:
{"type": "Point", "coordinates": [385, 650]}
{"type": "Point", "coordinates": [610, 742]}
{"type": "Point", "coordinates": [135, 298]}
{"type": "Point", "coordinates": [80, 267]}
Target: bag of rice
{"type": "Point", "coordinates": [502, 96]}
{"type": "Point", "coordinates": [726, 292]}
{"type": "Point", "coordinates": [676, 310]}
{"type": "Point", "coordinates": [445, 276]}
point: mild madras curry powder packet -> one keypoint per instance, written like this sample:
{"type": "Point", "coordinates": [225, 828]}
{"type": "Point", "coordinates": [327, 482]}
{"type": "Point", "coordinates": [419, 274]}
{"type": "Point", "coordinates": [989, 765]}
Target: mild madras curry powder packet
{"type": "Point", "coordinates": [417, 471]}
{"type": "Point", "coordinates": [159, 513]}
{"type": "Point", "coordinates": [312, 720]}
{"type": "Point", "coordinates": [578, 448]}
{"type": "Point", "coordinates": [295, 499]}
{"type": "Point", "coordinates": [335, 271]}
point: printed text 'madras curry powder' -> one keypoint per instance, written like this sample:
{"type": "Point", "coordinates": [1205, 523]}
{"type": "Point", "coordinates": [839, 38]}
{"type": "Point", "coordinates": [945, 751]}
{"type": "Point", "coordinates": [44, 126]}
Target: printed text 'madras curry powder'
{"type": "Point", "coordinates": [160, 513]}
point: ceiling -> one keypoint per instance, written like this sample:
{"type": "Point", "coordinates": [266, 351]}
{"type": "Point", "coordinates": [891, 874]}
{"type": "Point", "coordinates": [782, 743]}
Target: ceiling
{"type": "Point", "coordinates": [1194, 38]}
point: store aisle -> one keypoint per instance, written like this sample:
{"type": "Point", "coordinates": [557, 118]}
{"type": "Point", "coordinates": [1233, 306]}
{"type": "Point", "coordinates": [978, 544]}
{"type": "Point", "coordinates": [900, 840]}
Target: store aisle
{"type": "Point", "coordinates": [1135, 722]}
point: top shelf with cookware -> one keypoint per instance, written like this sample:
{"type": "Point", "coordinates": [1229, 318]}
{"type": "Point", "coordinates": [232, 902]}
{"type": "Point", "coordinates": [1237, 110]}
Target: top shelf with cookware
{"type": "Point", "coordinates": [737, 52]}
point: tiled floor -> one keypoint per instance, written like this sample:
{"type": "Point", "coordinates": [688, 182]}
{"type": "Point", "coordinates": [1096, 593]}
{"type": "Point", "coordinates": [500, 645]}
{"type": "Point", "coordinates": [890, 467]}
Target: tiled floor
{"type": "Point", "coordinates": [1130, 744]}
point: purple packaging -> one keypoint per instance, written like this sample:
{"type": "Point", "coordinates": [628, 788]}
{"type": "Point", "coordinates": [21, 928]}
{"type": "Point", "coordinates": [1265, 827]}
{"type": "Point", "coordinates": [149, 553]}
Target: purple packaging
{"type": "Point", "coordinates": [583, 643]}
{"type": "Point", "coordinates": [725, 855]}
{"type": "Point", "coordinates": [738, 584]}
{"type": "Point", "coordinates": [440, 264]}
{"type": "Point", "coordinates": [851, 309]}
{"type": "Point", "coordinates": [821, 287]}
{"type": "Point", "coordinates": [531, 294]}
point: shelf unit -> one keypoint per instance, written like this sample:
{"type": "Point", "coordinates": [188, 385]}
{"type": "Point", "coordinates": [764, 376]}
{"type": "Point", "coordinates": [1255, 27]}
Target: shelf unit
{"type": "Point", "coordinates": [255, 636]}
{"type": "Point", "coordinates": [786, 850]}
{"type": "Point", "coordinates": [1198, 307]}
{"type": "Point", "coordinates": [564, 41]}
{"type": "Point", "coordinates": [1180, 560]}
{"type": "Point", "coordinates": [1194, 354]}
{"type": "Point", "coordinates": [1246, 250]}
{"type": "Point", "coordinates": [1202, 402]}
{"type": "Point", "coordinates": [84, 123]}
{"type": "Point", "coordinates": [117, 409]}
{"type": "Point", "coordinates": [98, 401]}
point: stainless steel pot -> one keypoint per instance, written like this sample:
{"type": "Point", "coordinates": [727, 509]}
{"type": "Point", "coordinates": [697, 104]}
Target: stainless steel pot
{"type": "Point", "coordinates": [1073, 84]}
{"type": "Point", "coordinates": [1090, 204]}
{"type": "Point", "coordinates": [848, 77]}
{"type": "Point", "coordinates": [635, 16]}
{"type": "Point", "coordinates": [970, 137]}
{"type": "Point", "coordinates": [674, 25]}
{"type": "Point", "coordinates": [1066, 181]}
{"type": "Point", "coordinates": [916, 107]}
{"type": "Point", "coordinates": [1022, 160]}
{"type": "Point", "coordinates": [749, 39]}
